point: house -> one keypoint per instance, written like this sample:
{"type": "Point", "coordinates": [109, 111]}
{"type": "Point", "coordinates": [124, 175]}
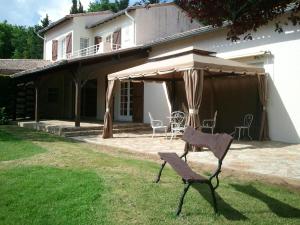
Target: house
{"type": "Point", "coordinates": [123, 40]}
{"type": "Point", "coordinates": [90, 37]}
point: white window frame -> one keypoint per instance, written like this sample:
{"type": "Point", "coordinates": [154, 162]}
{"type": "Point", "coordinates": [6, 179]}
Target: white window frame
{"type": "Point", "coordinates": [129, 106]}
{"type": "Point", "coordinates": [63, 48]}
{"type": "Point", "coordinates": [83, 53]}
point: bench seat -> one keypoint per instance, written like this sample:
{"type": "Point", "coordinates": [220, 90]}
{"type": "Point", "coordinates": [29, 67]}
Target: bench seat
{"type": "Point", "coordinates": [181, 167]}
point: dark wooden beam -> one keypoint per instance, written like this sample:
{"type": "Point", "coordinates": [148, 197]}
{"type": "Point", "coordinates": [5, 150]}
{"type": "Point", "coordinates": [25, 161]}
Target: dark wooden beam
{"type": "Point", "coordinates": [77, 102]}
{"type": "Point", "coordinates": [77, 78]}
{"type": "Point", "coordinates": [37, 107]}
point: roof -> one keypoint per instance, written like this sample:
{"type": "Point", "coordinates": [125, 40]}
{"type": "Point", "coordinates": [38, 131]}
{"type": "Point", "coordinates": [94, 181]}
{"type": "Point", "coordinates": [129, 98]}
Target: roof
{"type": "Point", "coordinates": [65, 62]}
{"type": "Point", "coordinates": [71, 16]}
{"type": "Point", "coordinates": [194, 59]}
{"type": "Point", "coordinates": [10, 66]}
{"type": "Point", "coordinates": [128, 9]}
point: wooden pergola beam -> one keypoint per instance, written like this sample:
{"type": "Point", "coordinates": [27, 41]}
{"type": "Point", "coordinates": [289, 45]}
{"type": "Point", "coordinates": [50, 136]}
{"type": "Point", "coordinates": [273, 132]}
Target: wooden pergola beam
{"type": "Point", "coordinates": [37, 106]}
{"type": "Point", "coordinates": [77, 101]}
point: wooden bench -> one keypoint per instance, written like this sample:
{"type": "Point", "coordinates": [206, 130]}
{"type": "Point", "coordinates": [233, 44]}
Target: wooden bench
{"type": "Point", "coordinates": [219, 144]}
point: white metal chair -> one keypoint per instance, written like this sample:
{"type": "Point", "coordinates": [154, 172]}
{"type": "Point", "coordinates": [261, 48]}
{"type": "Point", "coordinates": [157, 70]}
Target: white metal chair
{"type": "Point", "coordinates": [177, 122]}
{"type": "Point", "coordinates": [157, 125]}
{"type": "Point", "coordinates": [210, 123]}
{"type": "Point", "coordinates": [248, 119]}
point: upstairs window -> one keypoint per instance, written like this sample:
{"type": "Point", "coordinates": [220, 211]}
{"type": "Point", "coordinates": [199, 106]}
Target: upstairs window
{"type": "Point", "coordinates": [84, 43]}
{"type": "Point", "coordinates": [63, 48]}
{"type": "Point", "coordinates": [108, 38]}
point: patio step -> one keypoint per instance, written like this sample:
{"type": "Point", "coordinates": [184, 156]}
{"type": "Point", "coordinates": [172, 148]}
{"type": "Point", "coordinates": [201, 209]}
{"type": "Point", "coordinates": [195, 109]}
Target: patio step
{"type": "Point", "coordinates": [98, 131]}
{"type": "Point", "coordinates": [132, 129]}
{"type": "Point", "coordinates": [86, 128]}
{"type": "Point", "coordinates": [81, 133]}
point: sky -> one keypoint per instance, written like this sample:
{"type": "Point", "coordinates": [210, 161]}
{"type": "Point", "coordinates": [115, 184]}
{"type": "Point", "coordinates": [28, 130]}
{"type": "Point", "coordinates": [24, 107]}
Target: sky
{"type": "Point", "coordinates": [30, 12]}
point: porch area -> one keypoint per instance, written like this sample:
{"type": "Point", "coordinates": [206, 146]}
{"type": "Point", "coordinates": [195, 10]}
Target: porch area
{"type": "Point", "coordinates": [273, 161]}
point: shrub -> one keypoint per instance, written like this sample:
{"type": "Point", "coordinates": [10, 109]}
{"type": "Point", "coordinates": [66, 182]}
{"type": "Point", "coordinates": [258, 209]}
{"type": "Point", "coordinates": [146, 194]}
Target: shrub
{"type": "Point", "coordinates": [3, 116]}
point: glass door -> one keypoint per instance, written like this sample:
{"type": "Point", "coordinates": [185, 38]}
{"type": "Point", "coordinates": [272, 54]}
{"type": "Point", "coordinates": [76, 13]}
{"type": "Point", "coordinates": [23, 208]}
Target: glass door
{"type": "Point", "coordinates": [126, 104]}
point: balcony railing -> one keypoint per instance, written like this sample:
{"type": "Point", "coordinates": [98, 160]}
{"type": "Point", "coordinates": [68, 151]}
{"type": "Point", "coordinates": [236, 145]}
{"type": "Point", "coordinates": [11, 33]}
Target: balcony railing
{"type": "Point", "coordinates": [103, 47]}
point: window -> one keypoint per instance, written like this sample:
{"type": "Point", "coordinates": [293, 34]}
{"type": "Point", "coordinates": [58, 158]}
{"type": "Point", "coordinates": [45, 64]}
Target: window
{"type": "Point", "coordinates": [53, 95]}
{"type": "Point", "coordinates": [63, 48]}
{"type": "Point", "coordinates": [108, 39]}
{"type": "Point", "coordinates": [126, 106]}
{"type": "Point", "coordinates": [84, 43]}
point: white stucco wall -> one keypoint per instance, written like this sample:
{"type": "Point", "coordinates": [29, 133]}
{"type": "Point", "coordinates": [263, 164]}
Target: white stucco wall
{"type": "Point", "coordinates": [282, 66]}
{"type": "Point", "coordinates": [156, 102]}
{"type": "Point", "coordinates": [77, 26]}
{"type": "Point", "coordinates": [60, 32]}
{"type": "Point", "coordinates": [161, 21]}
{"type": "Point", "coordinates": [123, 23]}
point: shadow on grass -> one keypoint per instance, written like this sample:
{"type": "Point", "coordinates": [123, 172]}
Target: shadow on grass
{"type": "Point", "coordinates": [224, 208]}
{"type": "Point", "coordinates": [278, 207]}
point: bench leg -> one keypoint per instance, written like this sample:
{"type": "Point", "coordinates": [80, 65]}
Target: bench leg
{"type": "Point", "coordinates": [186, 188]}
{"type": "Point", "coordinates": [212, 189]}
{"type": "Point", "coordinates": [184, 156]}
{"type": "Point", "coordinates": [160, 171]}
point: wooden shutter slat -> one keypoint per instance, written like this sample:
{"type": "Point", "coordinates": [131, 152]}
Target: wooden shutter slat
{"type": "Point", "coordinates": [54, 49]}
{"type": "Point", "coordinates": [117, 38]}
{"type": "Point", "coordinates": [69, 43]}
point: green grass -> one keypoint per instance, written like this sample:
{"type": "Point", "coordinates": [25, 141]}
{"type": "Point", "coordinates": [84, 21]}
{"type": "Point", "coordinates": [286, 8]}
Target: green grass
{"type": "Point", "coordinates": [45, 195]}
{"type": "Point", "coordinates": [76, 183]}
{"type": "Point", "coordinates": [12, 147]}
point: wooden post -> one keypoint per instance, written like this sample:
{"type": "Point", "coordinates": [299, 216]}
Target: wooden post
{"type": "Point", "coordinates": [77, 101]}
{"type": "Point", "coordinates": [14, 102]}
{"type": "Point", "coordinates": [37, 109]}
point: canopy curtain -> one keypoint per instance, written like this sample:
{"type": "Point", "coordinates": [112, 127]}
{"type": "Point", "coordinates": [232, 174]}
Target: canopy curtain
{"type": "Point", "coordinates": [262, 90]}
{"type": "Point", "coordinates": [108, 126]}
{"type": "Point", "coordinates": [170, 91]}
{"type": "Point", "coordinates": [193, 80]}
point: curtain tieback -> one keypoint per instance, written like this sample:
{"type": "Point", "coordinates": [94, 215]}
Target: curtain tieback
{"type": "Point", "coordinates": [193, 111]}
{"type": "Point", "coordinates": [107, 110]}
{"type": "Point", "coordinates": [264, 108]}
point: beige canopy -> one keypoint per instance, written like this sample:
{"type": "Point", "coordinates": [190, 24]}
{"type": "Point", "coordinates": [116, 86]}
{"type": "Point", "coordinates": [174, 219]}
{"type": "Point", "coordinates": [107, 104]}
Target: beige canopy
{"type": "Point", "coordinates": [192, 66]}
{"type": "Point", "coordinates": [183, 62]}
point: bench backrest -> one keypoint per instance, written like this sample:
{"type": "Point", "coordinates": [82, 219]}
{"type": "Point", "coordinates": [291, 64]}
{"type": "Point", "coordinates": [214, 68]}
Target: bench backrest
{"type": "Point", "coordinates": [217, 143]}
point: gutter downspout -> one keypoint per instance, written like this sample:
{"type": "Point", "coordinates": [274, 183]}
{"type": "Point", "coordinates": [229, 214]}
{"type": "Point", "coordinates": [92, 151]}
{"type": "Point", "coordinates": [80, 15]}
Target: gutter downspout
{"type": "Point", "coordinates": [44, 45]}
{"type": "Point", "coordinates": [37, 34]}
{"type": "Point", "coordinates": [133, 21]}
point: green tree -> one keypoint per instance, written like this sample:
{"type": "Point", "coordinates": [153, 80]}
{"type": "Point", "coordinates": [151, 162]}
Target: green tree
{"type": "Point", "coordinates": [21, 42]}
{"type": "Point", "coordinates": [45, 22]}
{"type": "Point", "coordinates": [122, 4]}
{"type": "Point", "coordinates": [74, 7]}
{"type": "Point", "coordinates": [243, 16]}
{"type": "Point", "coordinates": [6, 46]}
{"type": "Point", "coordinates": [80, 8]}
{"type": "Point", "coordinates": [102, 5]}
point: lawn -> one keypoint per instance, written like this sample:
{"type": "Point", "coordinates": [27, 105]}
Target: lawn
{"type": "Point", "coordinates": [46, 179]}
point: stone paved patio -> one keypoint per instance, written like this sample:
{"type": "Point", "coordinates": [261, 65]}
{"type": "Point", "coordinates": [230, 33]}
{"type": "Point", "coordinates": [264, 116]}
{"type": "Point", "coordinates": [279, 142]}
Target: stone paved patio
{"type": "Point", "coordinates": [261, 158]}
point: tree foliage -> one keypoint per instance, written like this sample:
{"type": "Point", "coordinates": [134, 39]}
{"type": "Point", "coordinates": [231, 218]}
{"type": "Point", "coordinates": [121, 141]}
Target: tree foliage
{"type": "Point", "coordinates": [102, 5]}
{"type": "Point", "coordinates": [243, 16]}
{"type": "Point", "coordinates": [20, 41]}
{"type": "Point", "coordinates": [75, 8]}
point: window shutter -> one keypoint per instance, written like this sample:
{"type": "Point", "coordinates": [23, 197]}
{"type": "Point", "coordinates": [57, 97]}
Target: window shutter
{"type": "Point", "coordinates": [54, 49]}
{"type": "Point", "coordinates": [117, 39]}
{"type": "Point", "coordinates": [69, 43]}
